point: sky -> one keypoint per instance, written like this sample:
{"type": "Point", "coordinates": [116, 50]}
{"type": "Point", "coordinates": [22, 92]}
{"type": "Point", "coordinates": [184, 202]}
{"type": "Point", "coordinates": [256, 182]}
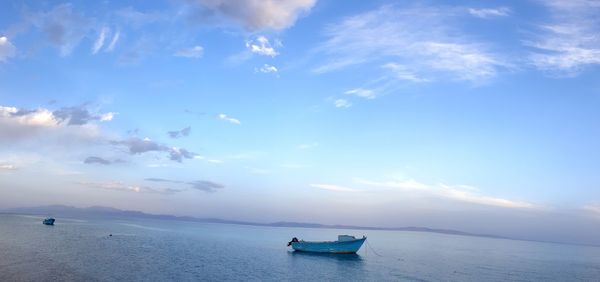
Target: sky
{"type": "Point", "coordinates": [481, 116]}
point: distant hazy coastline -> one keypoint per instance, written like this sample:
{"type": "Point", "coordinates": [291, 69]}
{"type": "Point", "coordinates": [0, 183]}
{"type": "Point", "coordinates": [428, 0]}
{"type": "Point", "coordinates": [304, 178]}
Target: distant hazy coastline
{"type": "Point", "coordinates": [107, 212]}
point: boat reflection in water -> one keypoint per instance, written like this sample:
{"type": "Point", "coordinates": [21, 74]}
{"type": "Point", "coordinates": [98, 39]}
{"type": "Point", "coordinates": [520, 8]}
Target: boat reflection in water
{"type": "Point", "coordinates": [338, 257]}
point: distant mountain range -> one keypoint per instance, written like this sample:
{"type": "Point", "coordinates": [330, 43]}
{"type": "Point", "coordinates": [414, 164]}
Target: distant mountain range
{"type": "Point", "coordinates": [106, 212]}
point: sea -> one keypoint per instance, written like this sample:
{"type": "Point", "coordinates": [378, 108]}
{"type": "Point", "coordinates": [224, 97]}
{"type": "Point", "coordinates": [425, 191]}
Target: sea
{"type": "Point", "coordinates": [166, 250]}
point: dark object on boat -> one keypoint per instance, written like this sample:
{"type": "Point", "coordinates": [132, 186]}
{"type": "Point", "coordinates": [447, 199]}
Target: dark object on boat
{"type": "Point", "coordinates": [293, 241]}
{"type": "Point", "coordinates": [48, 221]}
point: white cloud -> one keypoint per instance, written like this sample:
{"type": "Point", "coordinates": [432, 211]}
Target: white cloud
{"type": "Point", "coordinates": [261, 171]}
{"type": "Point", "coordinates": [75, 123]}
{"type": "Point", "coordinates": [107, 116]}
{"type": "Point", "coordinates": [40, 117]}
{"type": "Point", "coordinates": [261, 46]}
{"type": "Point", "coordinates": [7, 49]}
{"type": "Point", "coordinates": [192, 52]}
{"type": "Point", "coordinates": [424, 40]}
{"type": "Point", "coordinates": [308, 146]}
{"type": "Point", "coordinates": [100, 40]}
{"type": "Point", "coordinates": [401, 72]}
{"type": "Point", "coordinates": [571, 40]}
{"type": "Point", "coordinates": [335, 188]}
{"type": "Point", "coordinates": [123, 187]}
{"type": "Point", "coordinates": [294, 166]}
{"type": "Point", "coordinates": [5, 166]}
{"type": "Point", "coordinates": [342, 103]}
{"type": "Point", "coordinates": [402, 184]}
{"type": "Point", "coordinates": [229, 119]}
{"type": "Point", "coordinates": [258, 14]}
{"type": "Point", "coordinates": [113, 42]}
{"type": "Point", "coordinates": [461, 193]}
{"type": "Point", "coordinates": [490, 12]}
{"type": "Point", "coordinates": [266, 68]}
{"type": "Point", "coordinates": [361, 92]}
{"type": "Point", "coordinates": [593, 208]}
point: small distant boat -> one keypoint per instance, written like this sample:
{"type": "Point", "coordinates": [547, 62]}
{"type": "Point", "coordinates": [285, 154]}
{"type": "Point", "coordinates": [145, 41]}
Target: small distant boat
{"type": "Point", "coordinates": [48, 221]}
{"type": "Point", "coordinates": [345, 244]}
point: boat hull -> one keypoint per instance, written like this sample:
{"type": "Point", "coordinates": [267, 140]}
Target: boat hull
{"type": "Point", "coordinates": [333, 247]}
{"type": "Point", "coordinates": [48, 221]}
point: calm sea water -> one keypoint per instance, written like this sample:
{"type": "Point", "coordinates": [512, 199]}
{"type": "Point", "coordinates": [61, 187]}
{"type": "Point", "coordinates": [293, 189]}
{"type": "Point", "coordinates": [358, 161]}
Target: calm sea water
{"type": "Point", "coordinates": [155, 250]}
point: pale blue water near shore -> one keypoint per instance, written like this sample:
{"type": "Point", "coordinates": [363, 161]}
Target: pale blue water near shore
{"type": "Point", "coordinates": [155, 250]}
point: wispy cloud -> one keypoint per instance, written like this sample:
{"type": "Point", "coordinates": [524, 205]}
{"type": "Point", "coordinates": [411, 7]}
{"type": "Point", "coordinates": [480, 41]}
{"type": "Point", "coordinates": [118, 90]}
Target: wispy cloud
{"type": "Point", "coordinates": [63, 26]}
{"type": "Point", "coordinates": [102, 161]}
{"type": "Point", "coordinates": [229, 119]}
{"type": "Point", "coordinates": [192, 52]}
{"type": "Point", "coordinates": [342, 103]}
{"type": "Point", "coordinates": [424, 40]}
{"type": "Point", "coordinates": [486, 13]}
{"type": "Point", "coordinates": [461, 193]}
{"type": "Point", "coordinates": [123, 187]}
{"type": "Point", "coordinates": [113, 42]}
{"type": "Point", "coordinates": [334, 188]}
{"type": "Point", "coordinates": [571, 40]}
{"type": "Point", "coordinates": [307, 146]}
{"type": "Point", "coordinates": [401, 72]}
{"type": "Point", "coordinates": [593, 208]}
{"type": "Point", "coordinates": [6, 166]}
{"type": "Point", "coordinates": [7, 49]}
{"type": "Point", "coordinates": [202, 185]}
{"type": "Point", "coordinates": [362, 93]}
{"type": "Point", "coordinates": [100, 40]}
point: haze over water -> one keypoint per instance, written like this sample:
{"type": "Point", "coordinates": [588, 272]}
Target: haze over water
{"type": "Point", "coordinates": [157, 250]}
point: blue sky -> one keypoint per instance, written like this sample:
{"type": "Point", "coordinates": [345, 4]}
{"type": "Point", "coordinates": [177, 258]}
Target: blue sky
{"type": "Point", "coordinates": [477, 116]}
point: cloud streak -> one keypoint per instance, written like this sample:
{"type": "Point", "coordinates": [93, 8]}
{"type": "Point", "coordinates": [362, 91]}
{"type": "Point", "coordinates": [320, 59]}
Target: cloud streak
{"type": "Point", "coordinates": [229, 119]}
{"type": "Point", "coordinates": [192, 52]}
{"type": "Point", "coordinates": [461, 193]}
{"type": "Point", "coordinates": [332, 187]}
{"type": "Point", "coordinates": [6, 166]}
{"type": "Point", "coordinates": [202, 185]}
{"type": "Point", "coordinates": [423, 40]}
{"type": "Point", "coordinates": [487, 13]}
{"type": "Point", "coordinates": [571, 41]}
{"type": "Point", "coordinates": [123, 187]}
{"type": "Point", "coordinates": [99, 160]}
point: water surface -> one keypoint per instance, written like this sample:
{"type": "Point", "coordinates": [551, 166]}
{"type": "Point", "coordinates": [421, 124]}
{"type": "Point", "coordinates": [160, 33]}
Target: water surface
{"type": "Point", "coordinates": [157, 250]}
